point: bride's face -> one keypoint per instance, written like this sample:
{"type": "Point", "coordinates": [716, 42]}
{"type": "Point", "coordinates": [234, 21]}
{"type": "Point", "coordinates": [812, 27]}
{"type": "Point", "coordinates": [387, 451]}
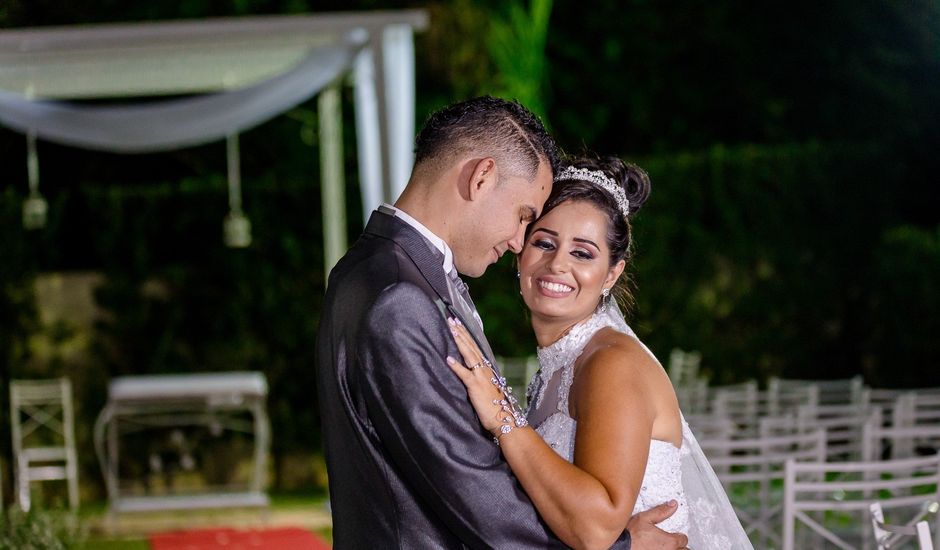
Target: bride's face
{"type": "Point", "coordinates": [565, 263]}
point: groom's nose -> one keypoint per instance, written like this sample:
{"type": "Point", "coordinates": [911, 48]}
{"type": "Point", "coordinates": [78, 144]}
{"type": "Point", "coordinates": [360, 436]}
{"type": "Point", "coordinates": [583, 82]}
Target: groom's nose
{"type": "Point", "coordinates": [515, 243]}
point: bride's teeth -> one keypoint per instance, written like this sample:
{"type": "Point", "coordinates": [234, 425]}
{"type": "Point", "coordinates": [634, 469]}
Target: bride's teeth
{"type": "Point", "coordinates": [555, 287]}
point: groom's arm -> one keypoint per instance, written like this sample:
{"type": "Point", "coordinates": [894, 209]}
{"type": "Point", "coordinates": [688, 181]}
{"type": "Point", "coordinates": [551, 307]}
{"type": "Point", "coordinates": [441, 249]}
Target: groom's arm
{"type": "Point", "coordinates": [421, 412]}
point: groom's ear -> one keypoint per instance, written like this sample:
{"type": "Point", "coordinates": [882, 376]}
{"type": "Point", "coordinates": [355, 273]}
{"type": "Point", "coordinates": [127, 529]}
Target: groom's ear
{"type": "Point", "coordinates": [482, 178]}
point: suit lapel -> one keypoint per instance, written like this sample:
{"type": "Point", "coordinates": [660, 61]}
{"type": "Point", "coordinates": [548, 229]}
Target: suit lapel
{"type": "Point", "coordinates": [430, 263]}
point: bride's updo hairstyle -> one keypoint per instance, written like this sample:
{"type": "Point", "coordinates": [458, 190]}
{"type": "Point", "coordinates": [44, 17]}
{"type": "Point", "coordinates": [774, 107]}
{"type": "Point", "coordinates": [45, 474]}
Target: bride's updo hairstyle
{"type": "Point", "coordinates": [635, 184]}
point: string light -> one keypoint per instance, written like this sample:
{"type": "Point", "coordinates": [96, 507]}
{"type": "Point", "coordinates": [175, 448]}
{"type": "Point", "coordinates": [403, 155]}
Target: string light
{"type": "Point", "coordinates": [35, 207]}
{"type": "Point", "coordinates": [236, 226]}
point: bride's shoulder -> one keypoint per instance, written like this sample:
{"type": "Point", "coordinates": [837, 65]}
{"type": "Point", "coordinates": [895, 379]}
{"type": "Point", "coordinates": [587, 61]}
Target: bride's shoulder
{"type": "Point", "coordinates": [616, 372]}
{"type": "Point", "coordinates": [612, 346]}
{"type": "Point", "coordinates": [611, 355]}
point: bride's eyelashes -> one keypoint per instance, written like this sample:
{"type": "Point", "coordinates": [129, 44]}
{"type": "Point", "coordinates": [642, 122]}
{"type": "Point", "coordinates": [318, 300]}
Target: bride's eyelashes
{"type": "Point", "coordinates": [543, 244]}
{"type": "Point", "coordinates": [582, 254]}
{"type": "Point", "coordinates": [578, 252]}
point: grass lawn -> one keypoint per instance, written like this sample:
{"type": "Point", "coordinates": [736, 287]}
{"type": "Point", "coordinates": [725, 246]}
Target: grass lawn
{"type": "Point", "coordinates": [286, 509]}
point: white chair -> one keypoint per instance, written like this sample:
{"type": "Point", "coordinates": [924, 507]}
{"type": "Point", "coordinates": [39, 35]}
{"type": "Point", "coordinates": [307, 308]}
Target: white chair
{"type": "Point", "coordinates": [917, 408]}
{"type": "Point", "coordinates": [886, 399]}
{"type": "Point", "coordinates": [691, 388]}
{"type": "Point", "coordinates": [751, 470]}
{"type": "Point", "coordinates": [742, 403]}
{"type": "Point", "coordinates": [881, 442]}
{"type": "Point", "coordinates": [831, 392]}
{"type": "Point", "coordinates": [683, 366]}
{"type": "Point", "coordinates": [787, 398]}
{"type": "Point", "coordinates": [887, 535]}
{"type": "Point", "coordinates": [710, 426]}
{"type": "Point", "coordinates": [43, 431]}
{"type": "Point", "coordinates": [693, 396]}
{"type": "Point", "coordinates": [829, 501]}
{"type": "Point", "coordinates": [843, 424]}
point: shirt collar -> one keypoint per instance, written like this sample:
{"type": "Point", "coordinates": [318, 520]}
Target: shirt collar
{"type": "Point", "coordinates": [438, 242]}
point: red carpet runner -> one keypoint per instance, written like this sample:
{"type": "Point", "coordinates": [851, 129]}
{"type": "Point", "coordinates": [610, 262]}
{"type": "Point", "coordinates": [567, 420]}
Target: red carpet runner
{"type": "Point", "coordinates": [286, 538]}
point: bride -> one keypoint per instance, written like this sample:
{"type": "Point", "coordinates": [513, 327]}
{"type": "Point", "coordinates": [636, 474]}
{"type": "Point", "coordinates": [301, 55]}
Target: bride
{"type": "Point", "coordinates": [609, 439]}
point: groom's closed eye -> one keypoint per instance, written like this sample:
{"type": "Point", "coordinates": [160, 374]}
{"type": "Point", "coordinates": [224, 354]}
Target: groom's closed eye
{"type": "Point", "coordinates": [527, 214]}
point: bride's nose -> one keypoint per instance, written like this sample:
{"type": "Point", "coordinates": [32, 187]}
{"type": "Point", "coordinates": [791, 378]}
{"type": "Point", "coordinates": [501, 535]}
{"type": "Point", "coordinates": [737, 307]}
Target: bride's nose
{"type": "Point", "coordinates": [558, 263]}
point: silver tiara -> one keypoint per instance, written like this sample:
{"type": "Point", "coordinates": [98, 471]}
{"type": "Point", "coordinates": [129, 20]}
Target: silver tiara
{"type": "Point", "coordinates": [601, 180]}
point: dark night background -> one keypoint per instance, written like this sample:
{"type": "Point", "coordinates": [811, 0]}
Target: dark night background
{"type": "Point", "coordinates": [792, 230]}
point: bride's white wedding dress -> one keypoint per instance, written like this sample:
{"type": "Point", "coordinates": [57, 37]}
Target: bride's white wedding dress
{"type": "Point", "coordinates": [682, 474]}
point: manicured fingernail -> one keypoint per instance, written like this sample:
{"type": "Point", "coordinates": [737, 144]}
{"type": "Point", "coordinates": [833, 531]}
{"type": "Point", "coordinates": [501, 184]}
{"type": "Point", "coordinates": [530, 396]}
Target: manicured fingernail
{"type": "Point", "coordinates": [673, 503]}
{"type": "Point", "coordinates": [450, 321]}
{"type": "Point", "coordinates": [451, 360]}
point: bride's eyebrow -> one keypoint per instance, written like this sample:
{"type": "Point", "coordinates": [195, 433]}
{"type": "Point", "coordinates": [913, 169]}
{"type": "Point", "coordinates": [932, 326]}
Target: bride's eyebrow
{"type": "Point", "coordinates": [588, 241]}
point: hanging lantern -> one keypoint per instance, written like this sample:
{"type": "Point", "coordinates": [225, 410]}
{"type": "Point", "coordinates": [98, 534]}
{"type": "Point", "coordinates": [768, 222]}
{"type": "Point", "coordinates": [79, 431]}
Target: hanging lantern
{"type": "Point", "coordinates": [236, 227]}
{"type": "Point", "coordinates": [35, 206]}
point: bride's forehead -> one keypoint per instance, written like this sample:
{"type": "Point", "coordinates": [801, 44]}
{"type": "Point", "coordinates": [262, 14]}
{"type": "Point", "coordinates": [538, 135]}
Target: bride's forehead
{"type": "Point", "coordinates": [574, 217]}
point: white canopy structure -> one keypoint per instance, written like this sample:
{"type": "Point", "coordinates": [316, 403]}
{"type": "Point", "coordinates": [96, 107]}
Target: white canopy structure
{"type": "Point", "coordinates": [235, 73]}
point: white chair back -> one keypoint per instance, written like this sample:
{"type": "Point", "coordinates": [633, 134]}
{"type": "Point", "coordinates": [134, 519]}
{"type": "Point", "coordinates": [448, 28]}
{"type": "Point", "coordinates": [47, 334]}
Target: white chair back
{"type": "Point", "coordinates": [710, 426]}
{"type": "Point", "coordinates": [43, 429]}
{"type": "Point", "coordinates": [880, 442]}
{"type": "Point", "coordinates": [830, 392]}
{"type": "Point", "coordinates": [830, 500]}
{"type": "Point", "coordinates": [752, 470]}
{"type": "Point", "coordinates": [917, 408]}
{"type": "Point", "coordinates": [843, 424]}
{"type": "Point", "coordinates": [887, 535]}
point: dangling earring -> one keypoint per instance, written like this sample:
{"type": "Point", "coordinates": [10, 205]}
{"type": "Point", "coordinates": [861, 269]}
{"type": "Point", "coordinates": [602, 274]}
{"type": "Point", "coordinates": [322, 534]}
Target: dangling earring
{"type": "Point", "coordinates": [518, 274]}
{"type": "Point", "coordinates": [605, 299]}
{"type": "Point", "coordinates": [519, 277]}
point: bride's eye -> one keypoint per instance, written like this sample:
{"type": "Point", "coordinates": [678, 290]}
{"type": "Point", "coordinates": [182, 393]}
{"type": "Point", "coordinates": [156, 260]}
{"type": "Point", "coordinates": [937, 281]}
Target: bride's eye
{"type": "Point", "coordinates": [582, 254]}
{"type": "Point", "coordinates": [543, 244]}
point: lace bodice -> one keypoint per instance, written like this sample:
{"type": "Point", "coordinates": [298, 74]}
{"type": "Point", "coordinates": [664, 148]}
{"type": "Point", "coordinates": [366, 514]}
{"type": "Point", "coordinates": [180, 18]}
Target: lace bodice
{"type": "Point", "coordinates": [548, 412]}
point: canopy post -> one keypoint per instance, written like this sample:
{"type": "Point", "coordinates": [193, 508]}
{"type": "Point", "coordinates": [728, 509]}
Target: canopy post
{"type": "Point", "coordinates": [367, 133]}
{"type": "Point", "coordinates": [332, 184]}
{"type": "Point", "coordinates": [399, 58]}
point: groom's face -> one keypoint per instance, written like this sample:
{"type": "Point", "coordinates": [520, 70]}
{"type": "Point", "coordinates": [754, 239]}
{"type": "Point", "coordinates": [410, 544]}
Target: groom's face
{"type": "Point", "coordinates": [498, 223]}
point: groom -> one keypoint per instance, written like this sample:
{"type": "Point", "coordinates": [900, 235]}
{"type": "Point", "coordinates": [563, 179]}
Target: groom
{"type": "Point", "coordinates": [410, 465]}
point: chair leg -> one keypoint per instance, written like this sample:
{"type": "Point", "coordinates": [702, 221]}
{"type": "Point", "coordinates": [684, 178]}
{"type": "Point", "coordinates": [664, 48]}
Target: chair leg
{"type": "Point", "coordinates": [22, 485]}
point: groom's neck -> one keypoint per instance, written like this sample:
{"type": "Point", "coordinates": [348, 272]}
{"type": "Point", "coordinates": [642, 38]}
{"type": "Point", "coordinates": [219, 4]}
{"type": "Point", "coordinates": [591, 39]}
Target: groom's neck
{"type": "Point", "coordinates": [427, 204]}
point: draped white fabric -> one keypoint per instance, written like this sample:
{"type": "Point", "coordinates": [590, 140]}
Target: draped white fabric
{"type": "Point", "coordinates": [173, 124]}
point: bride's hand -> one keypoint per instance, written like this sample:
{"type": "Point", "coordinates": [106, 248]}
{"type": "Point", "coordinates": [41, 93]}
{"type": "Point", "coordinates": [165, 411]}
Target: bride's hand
{"type": "Point", "coordinates": [477, 375]}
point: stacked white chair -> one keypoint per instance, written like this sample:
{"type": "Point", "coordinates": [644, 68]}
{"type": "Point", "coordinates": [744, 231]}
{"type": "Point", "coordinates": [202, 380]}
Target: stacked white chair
{"type": "Point", "coordinates": [830, 392]}
{"type": "Point", "coordinates": [886, 399]}
{"type": "Point", "coordinates": [843, 424]}
{"type": "Point", "coordinates": [691, 387]}
{"type": "Point", "coordinates": [752, 471]}
{"type": "Point", "coordinates": [741, 403]}
{"type": "Point", "coordinates": [709, 426]}
{"type": "Point", "coordinates": [916, 408]}
{"type": "Point", "coordinates": [899, 440]}
{"type": "Point", "coordinates": [827, 501]}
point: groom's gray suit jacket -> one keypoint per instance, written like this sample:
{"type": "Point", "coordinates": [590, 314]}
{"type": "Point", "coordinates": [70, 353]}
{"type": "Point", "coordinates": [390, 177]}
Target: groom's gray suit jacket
{"type": "Point", "coordinates": [409, 464]}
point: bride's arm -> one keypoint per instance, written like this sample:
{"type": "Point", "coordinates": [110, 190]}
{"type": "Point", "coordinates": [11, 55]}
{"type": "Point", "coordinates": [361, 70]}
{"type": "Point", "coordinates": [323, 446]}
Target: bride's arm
{"type": "Point", "coordinates": [589, 503]}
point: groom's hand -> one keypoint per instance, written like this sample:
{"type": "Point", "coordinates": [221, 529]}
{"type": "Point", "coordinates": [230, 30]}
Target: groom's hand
{"type": "Point", "coordinates": [644, 535]}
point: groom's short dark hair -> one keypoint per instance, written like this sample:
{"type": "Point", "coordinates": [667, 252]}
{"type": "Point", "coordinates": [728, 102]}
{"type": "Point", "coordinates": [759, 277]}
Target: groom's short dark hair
{"type": "Point", "coordinates": [491, 126]}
